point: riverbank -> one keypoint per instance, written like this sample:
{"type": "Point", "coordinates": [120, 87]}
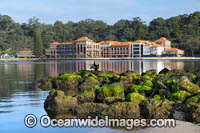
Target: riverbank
{"type": "Point", "coordinates": [120, 58]}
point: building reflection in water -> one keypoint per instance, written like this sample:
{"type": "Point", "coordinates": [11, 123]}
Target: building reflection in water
{"type": "Point", "coordinates": [118, 66]}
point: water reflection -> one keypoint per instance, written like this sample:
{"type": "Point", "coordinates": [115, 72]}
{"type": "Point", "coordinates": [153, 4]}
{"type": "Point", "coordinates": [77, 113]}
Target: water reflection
{"type": "Point", "coordinates": [17, 100]}
{"type": "Point", "coordinates": [56, 67]}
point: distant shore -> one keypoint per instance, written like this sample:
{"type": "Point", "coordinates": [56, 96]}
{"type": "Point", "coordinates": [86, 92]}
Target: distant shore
{"type": "Point", "coordinates": [120, 58]}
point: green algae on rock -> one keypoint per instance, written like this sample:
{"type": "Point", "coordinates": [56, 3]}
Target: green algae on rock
{"type": "Point", "coordinates": [125, 95]}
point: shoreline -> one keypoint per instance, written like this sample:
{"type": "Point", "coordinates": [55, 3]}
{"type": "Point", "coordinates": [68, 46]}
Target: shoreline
{"type": "Point", "coordinates": [120, 58]}
{"type": "Point", "coordinates": [181, 127]}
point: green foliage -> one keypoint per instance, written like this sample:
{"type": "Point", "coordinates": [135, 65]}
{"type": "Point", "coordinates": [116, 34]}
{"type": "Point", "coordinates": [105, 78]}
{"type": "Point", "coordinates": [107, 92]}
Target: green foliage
{"type": "Point", "coordinates": [38, 44]}
{"type": "Point", "coordinates": [182, 30]}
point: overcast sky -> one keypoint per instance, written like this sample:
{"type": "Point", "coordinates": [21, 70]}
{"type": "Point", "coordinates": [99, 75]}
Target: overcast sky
{"type": "Point", "coordinates": [109, 11]}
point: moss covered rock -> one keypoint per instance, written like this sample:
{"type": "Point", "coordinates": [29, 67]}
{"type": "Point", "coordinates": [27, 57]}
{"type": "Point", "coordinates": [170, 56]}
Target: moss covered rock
{"type": "Point", "coordinates": [122, 110]}
{"type": "Point", "coordinates": [110, 91]}
{"type": "Point", "coordinates": [67, 86]}
{"type": "Point", "coordinates": [135, 97]}
{"type": "Point", "coordinates": [192, 112]}
{"type": "Point", "coordinates": [165, 94]}
{"type": "Point", "coordinates": [57, 103]}
{"type": "Point", "coordinates": [111, 100]}
{"type": "Point", "coordinates": [85, 74]}
{"type": "Point", "coordinates": [67, 76]}
{"type": "Point", "coordinates": [150, 73]}
{"type": "Point", "coordinates": [194, 99]}
{"type": "Point", "coordinates": [129, 77]}
{"type": "Point", "coordinates": [138, 88]}
{"type": "Point", "coordinates": [86, 96]}
{"type": "Point", "coordinates": [46, 83]}
{"type": "Point", "coordinates": [90, 109]}
{"type": "Point", "coordinates": [159, 85]}
{"type": "Point", "coordinates": [88, 83]}
{"type": "Point", "coordinates": [106, 77]}
{"type": "Point", "coordinates": [179, 96]}
{"type": "Point", "coordinates": [157, 109]}
{"type": "Point", "coordinates": [186, 85]}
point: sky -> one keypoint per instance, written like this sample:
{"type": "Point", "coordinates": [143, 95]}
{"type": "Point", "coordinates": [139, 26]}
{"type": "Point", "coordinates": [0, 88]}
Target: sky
{"type": "Point", "coordinates": [110, 11]}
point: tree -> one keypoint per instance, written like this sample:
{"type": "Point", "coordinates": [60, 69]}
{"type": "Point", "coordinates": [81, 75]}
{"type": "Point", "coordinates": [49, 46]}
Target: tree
{"type": "Point", "coordinates": [38, 44]}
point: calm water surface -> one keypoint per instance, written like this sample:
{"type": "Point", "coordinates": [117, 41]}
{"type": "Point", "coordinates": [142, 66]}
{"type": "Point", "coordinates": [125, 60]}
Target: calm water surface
{"type": "Point", "coordinates": [17, 99]}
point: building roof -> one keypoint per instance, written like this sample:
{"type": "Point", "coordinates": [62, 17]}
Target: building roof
{"type": "Point", "coordinates": [173, 49]}
{"type": "Point", "coordinates": [83, 39]}
{"type": "Point", "coordinates": [115, 43]}
{"type": "Point", "coordinates": [156, 45]}
{"type": "Point", "coordinates": [67, 43]}
{"type": "Point", "coordinates": [120, 44]}
{"type": "Point", "coordinates": [25, 52]}
{"type": "Point", "coordinates": [54, 43]}
{"type": "Point", "coordinates": [162, 39]}
{"type": "Point", "coordinates": [140, 41]}
{"type": "Point", "coordinates": [108, 42]}
{"type": "Point", "coordinates": [59, 43]}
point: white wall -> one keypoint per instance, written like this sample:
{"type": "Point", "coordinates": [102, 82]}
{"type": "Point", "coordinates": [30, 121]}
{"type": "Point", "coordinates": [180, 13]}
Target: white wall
{"type": "Point", "coordinates": [147, 50]}
{"type": "Point", "coordinates": [159, 50]}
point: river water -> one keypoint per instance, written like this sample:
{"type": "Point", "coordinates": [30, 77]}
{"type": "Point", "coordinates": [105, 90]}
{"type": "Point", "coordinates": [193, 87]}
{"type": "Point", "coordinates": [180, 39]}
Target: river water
{"type": "Point", "coordinates": [17, 99]}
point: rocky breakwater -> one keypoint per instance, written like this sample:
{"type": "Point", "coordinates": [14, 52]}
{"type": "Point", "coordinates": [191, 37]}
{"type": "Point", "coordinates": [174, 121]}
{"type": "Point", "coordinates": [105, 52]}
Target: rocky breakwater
{"type": "Point", "coordinates": [169, 94]}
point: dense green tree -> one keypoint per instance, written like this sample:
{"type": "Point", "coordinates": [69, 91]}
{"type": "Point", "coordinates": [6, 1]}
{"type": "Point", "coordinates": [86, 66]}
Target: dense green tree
{"type": "Point", "coordinates": [38, 44]}
{"type": "Point", "coordinates": [181, 30]}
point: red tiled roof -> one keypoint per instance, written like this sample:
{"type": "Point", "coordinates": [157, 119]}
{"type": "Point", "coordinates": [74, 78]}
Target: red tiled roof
{"type": "Point", "coordinates": [83, 39]}
{"type": "Point", "coordinates": [140, 41]}
{"type": "Point", "coordinates": [67, 43]}
{"type": "Point", "coordinates": [23, 52]}
{"type": "Point", "coordinates": [162, 39]}
{"type": "Point", "coordinates": [156, 45]}
{"type": "Point", "coordinates": [106, 42]}
{"type": "Point", "coordinates": [115, 43]}
{"type": "Point", "coordinates": [173, 49]}
{"type": "Point", "coordinates": [54, 43]}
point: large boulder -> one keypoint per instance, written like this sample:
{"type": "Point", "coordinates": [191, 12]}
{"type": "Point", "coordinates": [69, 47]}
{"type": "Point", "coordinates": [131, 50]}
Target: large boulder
{"type": "Point", "coordinates": [164, 71]}
{"type": "Point", "coordinates": [107, 77]}
{"type": "Point", "coordinates": [129, 77]}
{"type": "Point", "coordinates": [192, 112]}
{"type": "Point", "coordinates": [88, 83]}
{"type": "Point", "coordinates": [86, 96]}
{"type": "Point", "coordinates": [138, 88]}
{"type": "Point", "coordinates": [113, 90]}
{"type": "Point", "coordinates": [122, 110]}
{"type": "Point", "coordinates": [150, 74]}
{"type": "Point", "coordinates": [159, 85]}
{"type": "Point", "coordinates": [66, 82]}
{"type": "Point", "coordinates": [90, 109]}
{"type": "Point", "coordinates": [58, 104]}
{"type": "Point", "coordinates": [180, 96]}
{"type": "Point", "coordinates": [186, 85]}
{"type": "Point", "coordinates": [114, 99]}
{"type": "Point", "coordinates": [135, 97]}
{"type": "Point", "coordinates": [157, 109]}
{"type": "Point", "coordinates": [194, 99]}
